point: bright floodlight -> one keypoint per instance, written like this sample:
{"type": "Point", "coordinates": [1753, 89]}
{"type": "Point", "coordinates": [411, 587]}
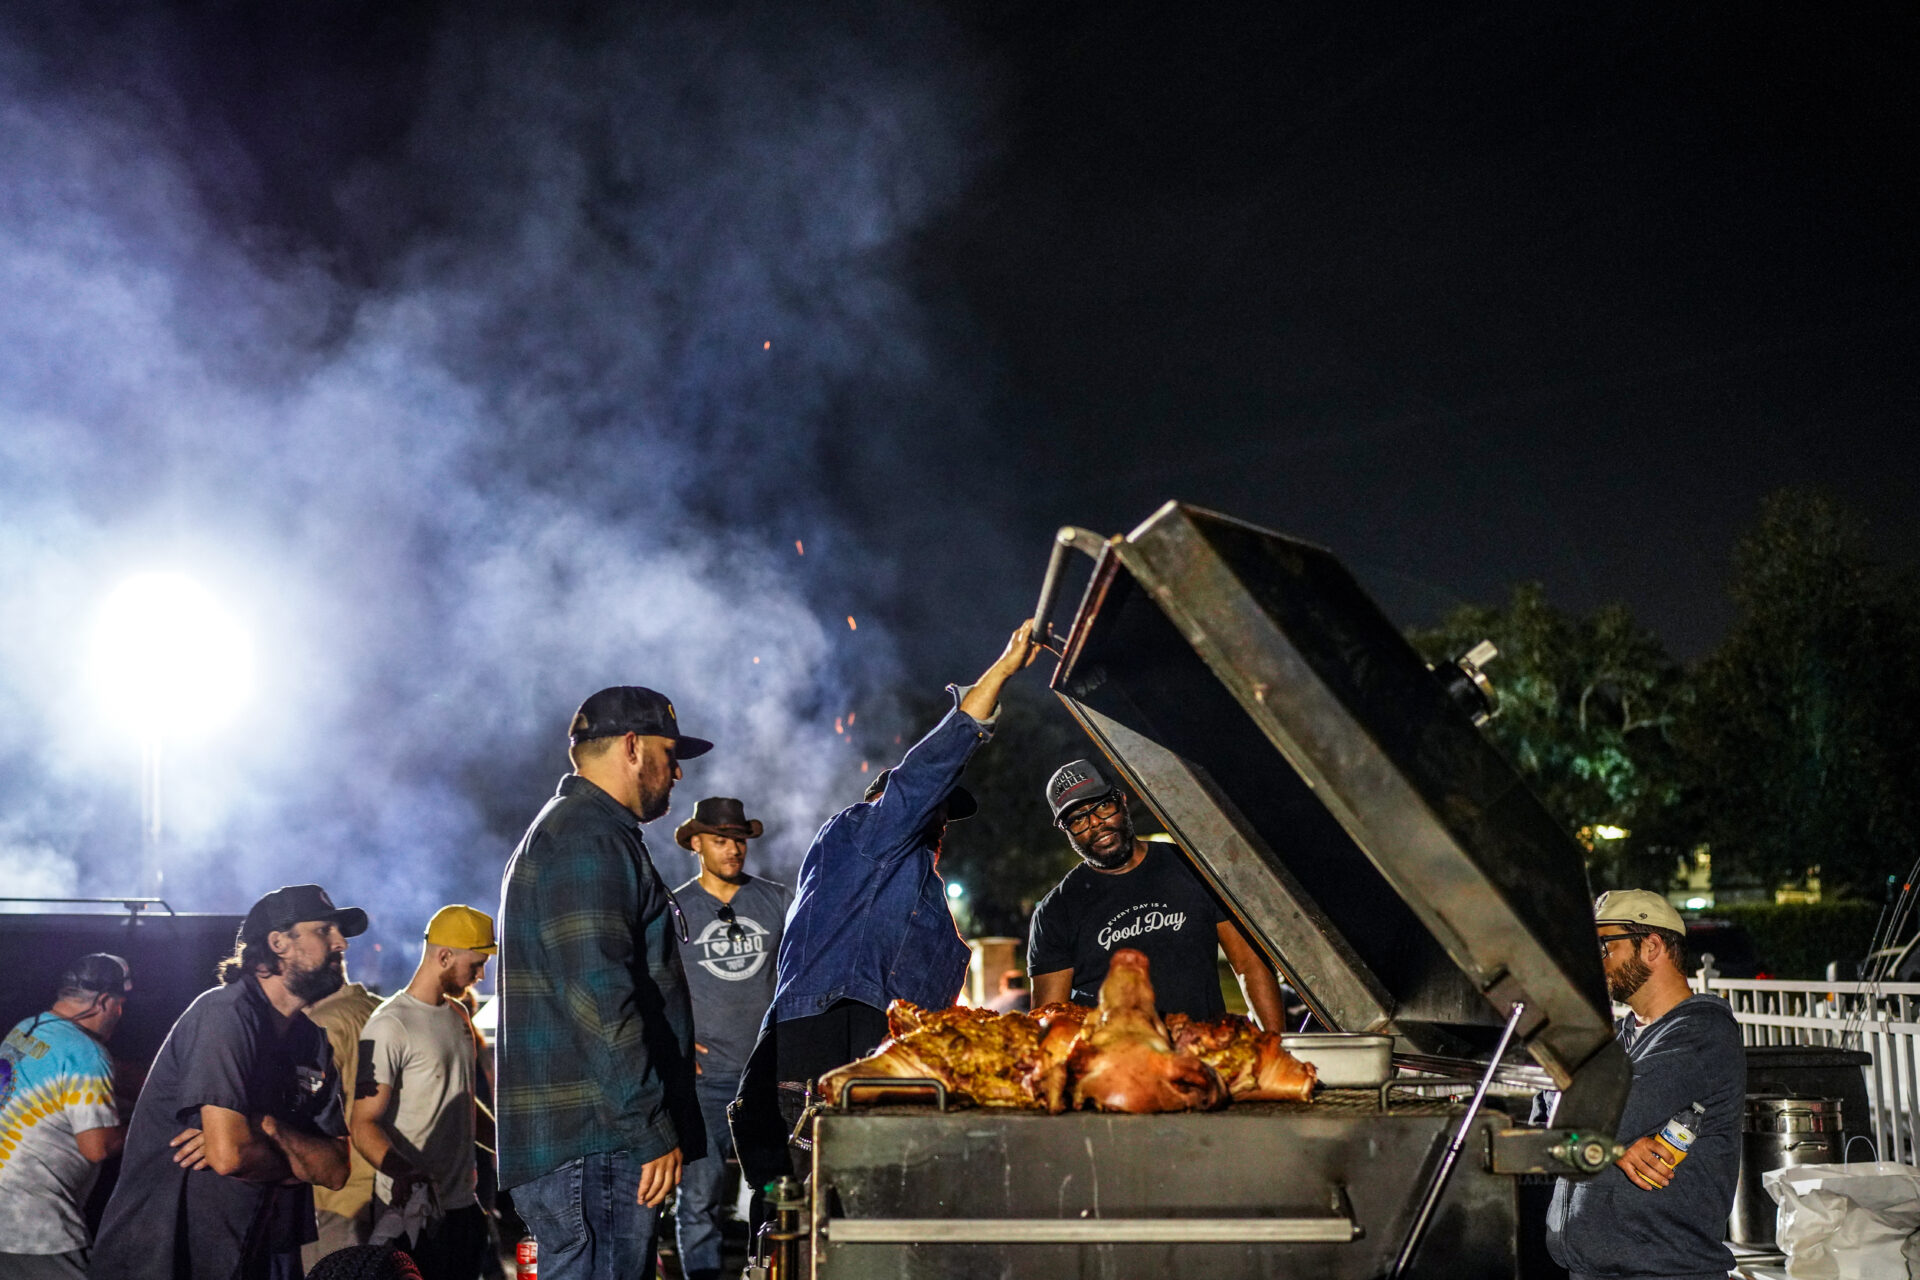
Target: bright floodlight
{"type": "Point", "coordinates": [954, 890]}
{"type": "Point", "coordinates": [167, 660]}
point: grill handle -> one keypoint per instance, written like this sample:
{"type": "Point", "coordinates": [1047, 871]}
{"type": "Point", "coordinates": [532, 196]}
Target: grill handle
{"type": "Point", "coordinates": [936, 1091]}
{"type": "Point", "coordinates": [1091, 1231]}
{"type": "Point", "coordinates": [1067, 539]}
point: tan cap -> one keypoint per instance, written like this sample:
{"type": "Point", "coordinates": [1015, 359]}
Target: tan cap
{"type": "Point", "coordinates": [1640, 908]}
{"type": "Point", "coordinates": [464, 929]}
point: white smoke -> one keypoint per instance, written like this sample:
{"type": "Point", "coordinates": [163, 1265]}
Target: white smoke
{"type": "Point", "coordinates": [631, 297]}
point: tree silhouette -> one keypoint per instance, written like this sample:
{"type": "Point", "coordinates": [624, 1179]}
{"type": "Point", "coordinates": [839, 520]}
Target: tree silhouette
{"type": "Point", "coordinates": [1801, 738]}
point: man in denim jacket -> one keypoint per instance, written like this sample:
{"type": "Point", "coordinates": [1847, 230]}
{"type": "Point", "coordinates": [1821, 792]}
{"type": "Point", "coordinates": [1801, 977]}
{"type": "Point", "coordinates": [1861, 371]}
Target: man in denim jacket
{"type": "Point", "coordinates": [870, 922]}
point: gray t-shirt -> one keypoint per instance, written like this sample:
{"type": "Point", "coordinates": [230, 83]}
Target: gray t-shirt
{"type": "Point", "coordinates": [424, 1052]}
{"type": "Point", "coordinates": [730, 969]}
{"type": "Point", "coordinates": [1604, 1226]}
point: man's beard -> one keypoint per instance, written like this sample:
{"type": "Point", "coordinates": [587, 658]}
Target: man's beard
{"type": "Point", "coordinates": [316, 984]}
{"type": "Point", "coordinates": [1105, 861]}
{"type": "Point", "coordinates": [656, 793]}
{"type": "Point", "coordinates": [1628, 978]}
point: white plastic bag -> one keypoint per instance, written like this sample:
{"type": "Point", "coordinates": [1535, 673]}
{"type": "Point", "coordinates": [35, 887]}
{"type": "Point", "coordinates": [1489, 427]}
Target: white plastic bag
{"type": "Point", "coordinates": [410, 1219]}
{"type": "Point", "coordinates": [1848, 1221]}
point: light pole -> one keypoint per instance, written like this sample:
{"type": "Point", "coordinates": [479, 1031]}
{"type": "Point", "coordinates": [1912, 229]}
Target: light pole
{"type": "Point", "coordinates": [170, 665]}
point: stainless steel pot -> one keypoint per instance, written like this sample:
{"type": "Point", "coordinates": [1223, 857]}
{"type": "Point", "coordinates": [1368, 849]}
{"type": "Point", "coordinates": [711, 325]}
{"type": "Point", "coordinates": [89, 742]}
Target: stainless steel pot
{"type": "Point", "coordinates": [1781, 1132]}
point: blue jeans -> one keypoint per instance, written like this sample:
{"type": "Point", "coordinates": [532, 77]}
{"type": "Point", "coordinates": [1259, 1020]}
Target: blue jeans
{"type": "Point", "coordinates": [698, 1212]}
{"type": "Point", "coordinates": [588, 1220]}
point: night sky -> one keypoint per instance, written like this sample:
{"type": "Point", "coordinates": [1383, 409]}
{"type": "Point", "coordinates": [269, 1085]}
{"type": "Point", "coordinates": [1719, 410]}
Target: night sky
{"type": "Point", "coordinates": [495, 355]}
{"type": "Point", "coordinates": [1469, 299]}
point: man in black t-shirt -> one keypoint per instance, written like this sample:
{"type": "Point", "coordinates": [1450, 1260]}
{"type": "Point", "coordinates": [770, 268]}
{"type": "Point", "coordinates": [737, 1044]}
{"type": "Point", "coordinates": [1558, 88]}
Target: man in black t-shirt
{"type": "Point", "coordinates": [241, 1113]}
{"type": "Point", "coordinates": [1135, 893]}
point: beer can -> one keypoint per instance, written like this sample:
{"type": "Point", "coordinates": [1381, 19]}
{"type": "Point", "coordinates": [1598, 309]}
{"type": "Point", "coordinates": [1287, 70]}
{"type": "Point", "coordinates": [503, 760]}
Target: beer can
{"type": "Point", "coordinates": [526, 1257]}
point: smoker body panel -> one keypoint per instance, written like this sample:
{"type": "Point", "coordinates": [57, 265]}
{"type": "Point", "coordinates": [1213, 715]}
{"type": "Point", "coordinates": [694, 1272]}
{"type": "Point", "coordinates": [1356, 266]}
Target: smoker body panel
{"type": "Point", "coordinates": [1302, 1169]}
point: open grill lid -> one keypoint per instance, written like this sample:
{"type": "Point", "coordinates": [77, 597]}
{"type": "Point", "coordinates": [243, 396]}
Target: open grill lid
{"type": "Point", "coordinates": [1339, 799]}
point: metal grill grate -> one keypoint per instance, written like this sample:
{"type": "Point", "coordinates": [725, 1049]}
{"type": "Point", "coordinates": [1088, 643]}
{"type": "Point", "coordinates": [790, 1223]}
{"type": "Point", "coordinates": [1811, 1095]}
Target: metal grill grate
{"type": "Point", "coordinates": [1339, 1101]}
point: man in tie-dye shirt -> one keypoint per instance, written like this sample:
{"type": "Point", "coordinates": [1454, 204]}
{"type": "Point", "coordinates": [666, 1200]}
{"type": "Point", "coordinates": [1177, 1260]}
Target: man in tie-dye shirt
{"type": "Point", "coordinates": [57, 1120]}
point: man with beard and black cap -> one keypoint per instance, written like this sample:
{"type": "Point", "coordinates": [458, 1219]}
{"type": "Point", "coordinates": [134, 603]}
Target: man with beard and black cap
{"type": "Point", "coordinates": [1136, 893]}
{"type": "Point", "coordinates": [1644, 1217]}
{"type": "Point", "coordinates": [241, 1114]}
{"type": "Point", "coordinates": [596, 1110]}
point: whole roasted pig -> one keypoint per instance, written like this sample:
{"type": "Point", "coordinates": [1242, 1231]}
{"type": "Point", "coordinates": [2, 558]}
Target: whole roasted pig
{"type": "Point", "coordinates": [1117, 1057]}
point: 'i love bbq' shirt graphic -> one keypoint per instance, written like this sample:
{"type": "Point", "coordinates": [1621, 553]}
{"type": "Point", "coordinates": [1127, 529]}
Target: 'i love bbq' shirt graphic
{"type": "Point", "coordinates": [729, 958]}
{"type": "Point", "coordinates": [733, 952]}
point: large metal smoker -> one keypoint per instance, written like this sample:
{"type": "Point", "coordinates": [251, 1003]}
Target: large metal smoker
{"type": "Point", "coordinates": [1337, 795]}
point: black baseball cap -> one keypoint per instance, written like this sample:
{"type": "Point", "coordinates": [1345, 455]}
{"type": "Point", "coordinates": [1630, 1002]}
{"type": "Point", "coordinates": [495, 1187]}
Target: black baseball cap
{"type": "Point", "coordinates": [628, 708]}
{"type": "Point", "coordinates": [960, 801]}
{"type": "Point", "coordinates": [1076, 784]}
{"type": "Point", "coordinates": [99, 972]}
{"type": "Point", "coordinates": [290, 904]}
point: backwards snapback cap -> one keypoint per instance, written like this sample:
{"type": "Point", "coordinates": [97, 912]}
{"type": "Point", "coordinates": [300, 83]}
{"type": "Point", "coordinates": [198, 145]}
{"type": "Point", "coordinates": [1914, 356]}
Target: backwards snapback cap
{"type": "Point", "coordinates": [290, 904]}
{"type": "Point", "coordinates": [628, 708]}
{"type": "Point", "coordinates": [1075, 784]}
{"type": "Point", "coordinates": [464, 929]}
{"type": "Point", "coordinates": [1638, 909]}
{"type": "Point", "coordinates": [99, 972]}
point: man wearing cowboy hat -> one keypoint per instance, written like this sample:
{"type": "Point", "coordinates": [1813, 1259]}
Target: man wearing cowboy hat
{"type": "Point", "coordinates": [733, 933]}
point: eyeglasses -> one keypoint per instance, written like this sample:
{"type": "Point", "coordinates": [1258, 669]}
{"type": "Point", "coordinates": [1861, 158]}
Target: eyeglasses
{"type": "Point", "coordinates": [679, 918]}
{"type": "Point", "coordinates": [1087, 818]}
{"type": "Point", "coordinates": [1612, 938]}
{"type": "Point", "coordinates": [734, 931]}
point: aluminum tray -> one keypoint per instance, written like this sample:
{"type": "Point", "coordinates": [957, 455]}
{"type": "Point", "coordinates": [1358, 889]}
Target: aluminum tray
{"type": "Point", "coordinates": [1344, 1060]}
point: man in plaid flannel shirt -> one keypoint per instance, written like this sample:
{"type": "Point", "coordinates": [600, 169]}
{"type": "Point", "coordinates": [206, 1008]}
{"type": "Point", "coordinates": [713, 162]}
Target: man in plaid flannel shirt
{"type": "Point", "coordinates": [594, 1054]}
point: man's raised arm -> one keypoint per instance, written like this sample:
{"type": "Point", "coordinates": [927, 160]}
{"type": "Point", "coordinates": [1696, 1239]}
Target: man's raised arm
{"type": "Point", "coordinates": [927, 773]}
{"type": "Point", "coordinates": [982, 699]}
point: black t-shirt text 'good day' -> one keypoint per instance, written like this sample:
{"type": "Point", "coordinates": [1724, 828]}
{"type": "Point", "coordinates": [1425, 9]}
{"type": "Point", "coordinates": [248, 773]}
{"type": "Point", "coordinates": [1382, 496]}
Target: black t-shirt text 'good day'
{"type": "Point", "coordinates": [1159, 908]}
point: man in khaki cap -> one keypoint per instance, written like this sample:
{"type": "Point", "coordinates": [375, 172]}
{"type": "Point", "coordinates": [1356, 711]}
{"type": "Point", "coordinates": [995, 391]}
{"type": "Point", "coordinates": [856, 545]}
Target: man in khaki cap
{"type": "Point", "coordinates": [413, 1110]}
{"type": "Point", "coordinates": [1644, 1217]}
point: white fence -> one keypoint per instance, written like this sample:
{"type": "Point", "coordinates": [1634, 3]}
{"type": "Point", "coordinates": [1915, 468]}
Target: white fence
{"type": "Point", "coordinates": [1881, 1018]}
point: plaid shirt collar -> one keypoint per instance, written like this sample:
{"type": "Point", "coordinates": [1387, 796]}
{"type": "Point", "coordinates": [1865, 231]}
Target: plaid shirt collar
{"type": "Point", "coordinates": [575, 785]}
